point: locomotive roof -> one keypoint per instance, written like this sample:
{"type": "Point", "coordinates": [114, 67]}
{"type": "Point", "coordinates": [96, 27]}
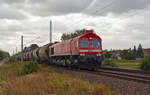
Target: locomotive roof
{"type": "Point", "coordinates": [88, 32]}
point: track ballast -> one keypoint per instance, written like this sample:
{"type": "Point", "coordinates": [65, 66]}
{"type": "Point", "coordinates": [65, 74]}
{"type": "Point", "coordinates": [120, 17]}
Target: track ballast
{"type": "Point", "coordinates": [134, 75]}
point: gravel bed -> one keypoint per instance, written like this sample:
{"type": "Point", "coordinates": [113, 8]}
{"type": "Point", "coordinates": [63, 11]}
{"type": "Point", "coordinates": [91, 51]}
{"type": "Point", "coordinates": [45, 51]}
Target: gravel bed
{"type": "Point", "coordinates": [125, 87]}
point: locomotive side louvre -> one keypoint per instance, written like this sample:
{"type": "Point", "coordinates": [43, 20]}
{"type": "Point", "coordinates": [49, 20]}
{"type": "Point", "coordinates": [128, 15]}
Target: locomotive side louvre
{"type": "Point", "coordinates": [62, 49]}
{"type": "Point", "coordinates": [59, 53]}
{"type": "Point", "coordinates": [66, 48]}
{"type": "Point", "coordinates": [74, 46]}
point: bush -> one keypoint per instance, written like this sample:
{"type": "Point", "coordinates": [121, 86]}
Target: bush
{"type": "Point", "coordinates": [107, 62]}
{"type": "Point", "coordinates": [29, 68]}
{"type": "Point", "coordinates": [145, 64]}
{"type": "Point", "coordinates": [11, 60]}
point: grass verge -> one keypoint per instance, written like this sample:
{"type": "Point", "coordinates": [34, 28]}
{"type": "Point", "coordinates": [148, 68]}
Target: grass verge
{"type": "Point", "coordinates": [45, 82]}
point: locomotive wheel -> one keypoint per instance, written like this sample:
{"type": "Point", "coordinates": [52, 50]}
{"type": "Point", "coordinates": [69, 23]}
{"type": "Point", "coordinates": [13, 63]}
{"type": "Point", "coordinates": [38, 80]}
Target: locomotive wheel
{"type": "Point", "coordinates": [68, 63]}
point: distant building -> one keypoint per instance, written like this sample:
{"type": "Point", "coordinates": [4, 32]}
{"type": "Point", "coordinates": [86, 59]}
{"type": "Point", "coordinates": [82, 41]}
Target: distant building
{"type": "Point", "coordinates": [146, 52]}
{"type": "Point", "coordinates": [116, 54]}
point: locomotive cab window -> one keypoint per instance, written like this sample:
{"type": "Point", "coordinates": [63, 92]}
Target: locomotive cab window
{"type": "Point", "coordinates": [95, 43]}
{"type": "Point", "coordinates": [52, 51]}
{"type": "Point", "coordinates": [76, 44]}
{"type": "Point", "coordinates": [84, 43]}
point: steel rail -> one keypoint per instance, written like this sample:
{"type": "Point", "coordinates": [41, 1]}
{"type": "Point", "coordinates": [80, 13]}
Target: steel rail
{"type": "Point", "coordinates": [134, 75]}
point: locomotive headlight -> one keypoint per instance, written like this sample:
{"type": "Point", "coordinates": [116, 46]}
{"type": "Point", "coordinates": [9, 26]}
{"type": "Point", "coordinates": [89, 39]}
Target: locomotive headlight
{"type": "Point", "coordinates": [82, 54]}
{"type": "Point", "coordinates": [90, 38]}
{"type": "Point", "coordinates": [98, 54]}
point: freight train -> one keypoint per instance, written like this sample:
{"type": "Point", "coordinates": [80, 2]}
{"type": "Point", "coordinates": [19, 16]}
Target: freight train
{"type": "Point", "coordinates": [84, 51]}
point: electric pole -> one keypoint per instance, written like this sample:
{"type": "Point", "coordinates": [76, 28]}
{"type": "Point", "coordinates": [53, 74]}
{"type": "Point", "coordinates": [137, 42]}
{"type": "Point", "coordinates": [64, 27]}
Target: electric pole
{"type": "Point", "coordinates": [13, 53]}
{"type": "Point", "coordinates": [16, 50]}
{"type": "Point", "coordinates": [22, 48]}
{"type": "Point", "coordinates": [50, 31]}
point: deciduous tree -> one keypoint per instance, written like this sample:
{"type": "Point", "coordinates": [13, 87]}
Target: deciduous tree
{"type": "Point", "coordinates": [72, 35]}
{"type": "Point", "coordinates": [140, 53]}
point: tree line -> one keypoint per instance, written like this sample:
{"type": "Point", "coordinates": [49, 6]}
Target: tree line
{"type": "Point", "coordinates": [128, 54]}
{"type": "Point", "coordinates": [3, 55]}
{"type": "Point", "coordinates": [67, 36]}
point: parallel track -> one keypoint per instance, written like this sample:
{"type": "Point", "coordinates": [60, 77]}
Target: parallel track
{"type": "Point", "coordinates": [134, 75]}
{"type": "Point", "coordinates": [125, 74]}
{"type": "Point", "coordinates": [113, 78]}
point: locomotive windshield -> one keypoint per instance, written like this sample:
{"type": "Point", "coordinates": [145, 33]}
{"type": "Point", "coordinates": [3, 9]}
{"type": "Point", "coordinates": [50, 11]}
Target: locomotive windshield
{"type": "Point", "coordinates": [95, 43]}
{"type": "Point", "coordinates": [84, 43]}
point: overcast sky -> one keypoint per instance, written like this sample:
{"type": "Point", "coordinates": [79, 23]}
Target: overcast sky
{"type": "Point", "coordinates": [120, 23]}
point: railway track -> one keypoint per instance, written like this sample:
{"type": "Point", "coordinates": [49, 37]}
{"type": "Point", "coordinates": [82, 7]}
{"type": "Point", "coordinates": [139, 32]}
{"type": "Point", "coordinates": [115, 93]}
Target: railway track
{"type": "Point", "coordinates": [134, 75]}
{"type": "Point", "coordinates": [125, 81]}
{"type": "Point", "coordinates": [125, 74]}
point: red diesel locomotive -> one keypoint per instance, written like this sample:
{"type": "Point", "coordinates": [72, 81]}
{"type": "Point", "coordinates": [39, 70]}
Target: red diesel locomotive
{"type": "Point", "coordinates": [84, 51]}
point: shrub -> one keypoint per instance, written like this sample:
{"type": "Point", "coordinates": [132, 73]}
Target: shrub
{"type": "Point", "coordinates": [107, 62]}
{"type": "Point", "coordinates": [29, 68]}
{"type": "Point", "coordinates": [145, 64]}
{"type": "Point", "coordinates": [11, 60]}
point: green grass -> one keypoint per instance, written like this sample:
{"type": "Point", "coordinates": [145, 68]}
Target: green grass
{"type": "Point", "coordinates": [126, 64]}
{"type": "Point", "coordinates": [45, 82]}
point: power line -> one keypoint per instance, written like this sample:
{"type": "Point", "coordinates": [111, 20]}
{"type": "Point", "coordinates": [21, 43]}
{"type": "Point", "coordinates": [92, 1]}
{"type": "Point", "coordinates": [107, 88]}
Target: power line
{"type": "Point", "coordinates": [31, 41]}
{"type": "Point", "coordinates": [80, 18]}
{"type": "Point", "coordinates": [102, 9]}
{"type": "Point", "coordinates": [105, 7]}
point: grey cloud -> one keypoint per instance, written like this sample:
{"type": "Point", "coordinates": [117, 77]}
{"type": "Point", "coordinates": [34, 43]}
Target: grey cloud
{"type": "Point", "coordinates": [101, 7]}
{"type": "Point", "coordinates": [138, 26]}
{"type": "Point", "coordinates": [12, 1]}
{"type": "Point", "coordinates": [92, 7]}
{"type": "Point", "coordinates": [12, 27]}
{"type": "Point", "coordinates": [127, 5]}
{"type": "Point", "coordinates": [55, 7]}
{"type": "Point", "coordinates": [8, 12]}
